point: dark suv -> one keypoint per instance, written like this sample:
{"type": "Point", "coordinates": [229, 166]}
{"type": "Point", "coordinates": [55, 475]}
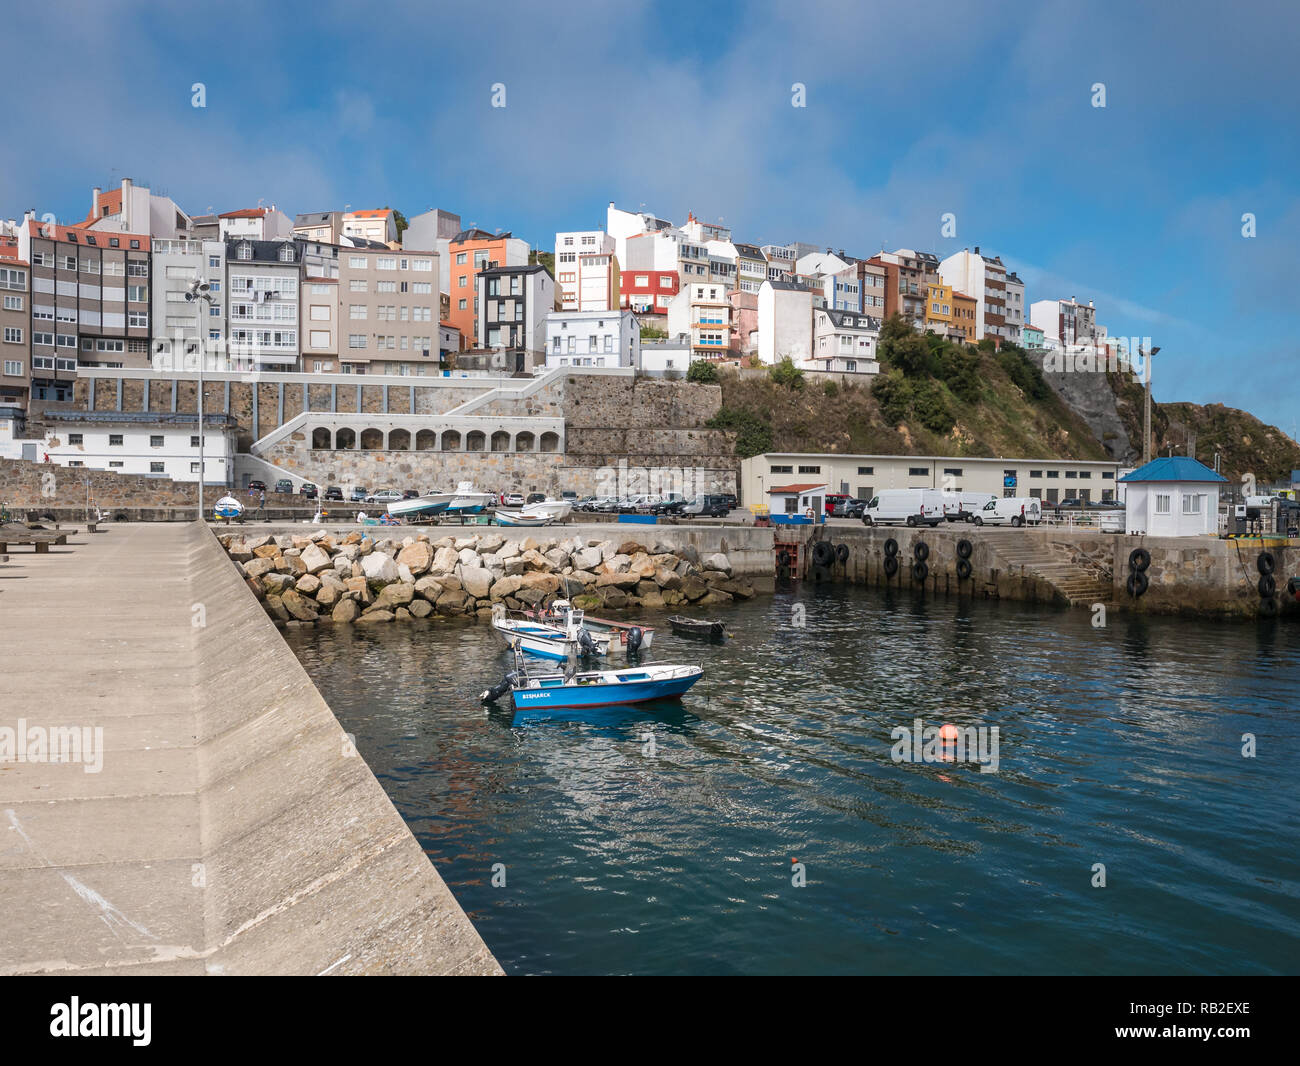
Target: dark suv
{"type": "Point", "coordinates": [334, 493]}
{"type": "Point", "coordinates": [308, 490]}
{"type": "Point", "coordinates": [706, 507]}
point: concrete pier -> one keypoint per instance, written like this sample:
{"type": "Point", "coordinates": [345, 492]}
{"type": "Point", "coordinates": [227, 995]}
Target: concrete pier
{"type": "Point", "coordinates": [230, 827]}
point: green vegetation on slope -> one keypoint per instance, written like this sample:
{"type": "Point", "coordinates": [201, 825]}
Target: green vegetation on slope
{"type": "Point", "coordinates": [932, 397]}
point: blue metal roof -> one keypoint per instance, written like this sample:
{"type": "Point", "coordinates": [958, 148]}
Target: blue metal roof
{"type": "Point", "coordinates": [1174, 468]}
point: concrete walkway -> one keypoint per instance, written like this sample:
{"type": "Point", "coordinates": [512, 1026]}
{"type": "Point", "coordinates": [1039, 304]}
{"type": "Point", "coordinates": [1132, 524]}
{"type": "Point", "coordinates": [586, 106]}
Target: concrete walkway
{"type": "Point", "coordinates": [220, 834]}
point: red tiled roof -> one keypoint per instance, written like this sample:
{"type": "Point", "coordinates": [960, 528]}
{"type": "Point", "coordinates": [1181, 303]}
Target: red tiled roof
{"type": "Point", "coordinates": [799, 488]}
{"type": "Point", "coordinates": [384, 213]}
{"type": "Point", "coordinates": [61, 233]}
{"type": "Point", "coordinates": [111, 200]}
{"type": "Point", "coordinates": [247, 212]}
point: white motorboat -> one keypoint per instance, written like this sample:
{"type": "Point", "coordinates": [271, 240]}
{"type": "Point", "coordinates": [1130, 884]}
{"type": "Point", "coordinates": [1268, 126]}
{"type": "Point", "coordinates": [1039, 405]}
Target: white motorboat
{"type": "Point", "coordinates": [541, 513]}
{"type": "Point", "coordinates": [567, 636]}
{"type": "Point", "coordinates": [465, 500]}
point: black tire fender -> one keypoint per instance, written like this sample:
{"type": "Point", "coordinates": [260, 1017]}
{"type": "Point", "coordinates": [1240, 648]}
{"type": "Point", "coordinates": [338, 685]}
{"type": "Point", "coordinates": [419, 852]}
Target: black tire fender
{"type": "Point", "coordinates": [891, 547]}
{"type": "Point", "coordinates": [1267, 586]}
{"type": "Point", "coordinates": [842, 552]}
{"type": "Point", "coordinates": [822, 553]}
{"type": "Point", "coordinates": [1265, 564]}
{"type": "Point", "coordinates": [963, 568]}
{"type": "Point", "coordinates": [921, 551]}
{"type": "Point", "coordinates": [920, 571]}
{"type": "Point", "coordinates": [1137, 583]}
{"type": "Point", "coordinates": [891, 565]}
{"type": "Point", "coordinates": [1139, 559]}
{"type": "Point", "coordinates": [964, 549]}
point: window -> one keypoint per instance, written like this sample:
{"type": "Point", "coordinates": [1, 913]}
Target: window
{"type": "Point", "coordinates": [137, 294]}
{"type": "Point", "coordinates": [115, 440]}
{"type": "Point", "coordinates": [1053, 473]}
{"type": "Point", "coordinates": [782, 469]}
{"type": "Point", "coordinates": [917, 471]}
{"type": "Point", "coordinates": [194, 440]}
{"type": "Point", "coordinates": [955, 471]}
{"type": "Point", "coordinates": [13, 367]}
{"type": "Point", "coordinates": [214, 262]}
{"type": "Point", "coordinates": [13, 303]}
{"type": "Point", "coordinates": [13, 335]}
{"type": "Point", "coordinates": [1085, 475]}
{"type": "Point", "coordinates": [1192, 504]}
{"type": "Point", "coordinates": [461, 306]}
{"type": "Point", "coordinates": [115, 464]}
{"type": "Point", "coordinates": [356, 340]}
{"type": "Point", "coordinates": [866, 470]}
{"type": "Point", "coordinates": [194, 468]}
{"type": "Point", "coordinates": [137, 268]}
{"type": "Point", "coordinates": [357, 311]}
{"type": "Point", "coordinates": [1162, 503]}
{"type": "Point", "coordinates": [1035, 473]}
{"type": "Point", "coordinates": [461, 281]}
{"type": "Point", "coordinates": [17, 279]}
{"type": "Point", "coordinates": [1108, 474]}
{"type": "Point", "coordinates": [386, 262]}
{"type": "Point", "coordinates": [138, 319]}
{"type": "Point", "coordinates": [1071, 474]}
{"type": "Point", "coordinates": [155, 441]}
{"type": "Point", "coordinates": [74, 438]}
{"type": "Point", "coordinates": [358, 285]}
{"type": "Point", "coordinates": [155, 468]}
{"type": "Point", "coordinates": [810, 470]}
{"type": "Point", "coordinates": [460, 258]}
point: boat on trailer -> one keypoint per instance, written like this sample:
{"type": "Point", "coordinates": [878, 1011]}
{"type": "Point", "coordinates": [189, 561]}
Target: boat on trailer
{"type": "Point", "coordinates": [704, 628]}
{"type": "Point", "coordinates": [465, 500]}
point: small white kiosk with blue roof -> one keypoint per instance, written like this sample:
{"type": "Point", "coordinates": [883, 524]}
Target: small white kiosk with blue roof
{"type": "Point", "coordinates": [1172, 497]}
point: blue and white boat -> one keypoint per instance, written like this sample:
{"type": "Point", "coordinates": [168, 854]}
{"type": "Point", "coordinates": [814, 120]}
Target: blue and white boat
{"type": "Point", "coordinates": [596, 688]}
{"type": "Point", "coordinates": [557, 639]}
{"type": "Point", "coordinates": [227, 507]}
{"type": "Point", "coordinates": [465, 500]}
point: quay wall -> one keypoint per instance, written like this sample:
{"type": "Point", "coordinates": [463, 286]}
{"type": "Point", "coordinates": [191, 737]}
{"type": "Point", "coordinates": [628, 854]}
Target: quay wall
{"type": "Point", "coordinates": [306, 860]}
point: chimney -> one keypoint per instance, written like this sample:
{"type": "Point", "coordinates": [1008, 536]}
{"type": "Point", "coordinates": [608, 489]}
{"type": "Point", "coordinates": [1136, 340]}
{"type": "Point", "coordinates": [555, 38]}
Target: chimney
{"type": "Point", "coordinates": [977, 249]}
{"type": "Point", "coordinates": [126, 204]}
{"type": "Point", "coordinates": [94, 201]}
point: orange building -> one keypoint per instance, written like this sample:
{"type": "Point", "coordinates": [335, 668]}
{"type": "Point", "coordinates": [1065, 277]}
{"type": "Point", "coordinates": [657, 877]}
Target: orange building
{"type": "Point", "coordinates": [963, 314]}
{"type": "Point", "coordinates": [469, 252]}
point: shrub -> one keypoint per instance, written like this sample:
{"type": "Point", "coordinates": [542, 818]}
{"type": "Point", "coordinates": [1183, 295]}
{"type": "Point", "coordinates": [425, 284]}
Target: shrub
{"type": "Point", "coordinates": [702, 371]}
{"type": "Point", "coordinates": [931, 408]}
{"type": "Point", "coordinates": [830, 388]}
{"type": "Point", "coordinates": [893, 393]}
{"type": "Point", "coordinates": [753, 435]}
{"type": "Point", "coordinates": [786, 373]}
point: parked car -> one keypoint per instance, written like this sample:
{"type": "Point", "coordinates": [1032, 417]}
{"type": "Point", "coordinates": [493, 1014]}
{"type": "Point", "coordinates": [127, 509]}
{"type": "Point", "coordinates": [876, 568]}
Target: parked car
{"type": "Point", "coordinates": [512, 499]}
{"type": "Point", "coordinates": [912, 507]}
{"type": "Point", "coordinates": [284, 485]}
{"type": "Point", "coordinates": [608, 504]}
{"type": "Point", "coordinates": [384, 496]}
{"type": "Point", "coordinates": [256, 486]}
{"type": "Point", "coordinates": [334, 493]}
{"type": "Point", "coordinates": [587, 503]}
{"type": "Point", "coordinates": [1011, 510]}
{"type": "Point", "coordinates": [647, 504]}
{"type": "Point", "coordinates": [835, 499]}
{"type": "Point", "coordinates": [706, 506]}
{"type": "Point", "coordinates": [572, 497]}
{"type": "Point", "coordinates": [410, 494]}
{"type": "Point", "coordinates": [308, 490]}
{"type": "Point", "coordinates": [535, 497]}
{"type": "Point", "coordinates": [729, 498]}
{"type": "Point", "coordinates": [358, 494]}
{"type": "Point", "coordinates": [964, 506]}
{"type": "Point", "coordinates": [849, 508]}
{"type": "Point", "coordinates": [670, 503]}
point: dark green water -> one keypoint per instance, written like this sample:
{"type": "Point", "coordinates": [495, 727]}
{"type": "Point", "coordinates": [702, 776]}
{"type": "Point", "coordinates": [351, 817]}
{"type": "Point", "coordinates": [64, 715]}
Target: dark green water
{"type": "Point", "coordinates": [1120, 746]}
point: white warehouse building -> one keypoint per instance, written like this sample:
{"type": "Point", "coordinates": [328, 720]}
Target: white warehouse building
{"type": "Point", "coordinates": [161, 445]}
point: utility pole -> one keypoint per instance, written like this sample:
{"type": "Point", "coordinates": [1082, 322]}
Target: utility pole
{"type": "Point", "coordinates": [1146, 434]}
{"type": "Point", "coordinates": [199, 293]}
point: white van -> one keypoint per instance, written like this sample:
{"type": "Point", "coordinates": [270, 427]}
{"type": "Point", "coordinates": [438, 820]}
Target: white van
{"type": "Point", "coordinates": [913, 507]}
{"type": "Point", "coordinates": [964, 506]}
{"type": "Point", "coordinates": [1013, 510]}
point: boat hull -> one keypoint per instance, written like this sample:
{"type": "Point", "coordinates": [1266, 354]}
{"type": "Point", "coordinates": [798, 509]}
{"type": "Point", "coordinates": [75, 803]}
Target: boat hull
{"type": "Point", "coordinates": [519, 518]}
{"type": "Point", "coordinates": [422, 505]}
{"type": "Point", "coordinates": [560, 694]}
{"type": "Point", "coordinates": [545, 641]}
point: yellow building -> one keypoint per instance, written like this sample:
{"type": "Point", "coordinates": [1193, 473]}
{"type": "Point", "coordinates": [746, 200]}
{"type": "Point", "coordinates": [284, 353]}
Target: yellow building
{"type": "Point", "coordinates": [938, 308]}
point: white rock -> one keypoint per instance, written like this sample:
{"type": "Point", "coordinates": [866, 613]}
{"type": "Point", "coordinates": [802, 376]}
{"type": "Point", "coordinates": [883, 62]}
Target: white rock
{"type": "Point", "coordinates": [380, 568]}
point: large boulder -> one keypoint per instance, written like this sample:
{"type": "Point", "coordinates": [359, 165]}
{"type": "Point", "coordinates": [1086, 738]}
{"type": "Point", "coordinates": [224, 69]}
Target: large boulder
{"type": "Point", "coordinates": [535, 560]}
{"type": "Point", "coordinates": [395, 595]}
{"type": "Point", "coordinates": [276, 609]}
{"type": "Point", "coordinates": [612, 597]}
{"type": "Point", "coordinates": [558, 558]}
{"type": "Point", "coordinates": [515, 565]}
{"type": "Point", "coordinates": [452, 601]}
{"type": "Point", "coordinates": [717, 561]}
{"type": "Point", "coordinates": [359, 589]}
{"type": "Point", "coordinates": [466, 543]}
{"type": "Point", "coordinates": [476, 581]}
{"type": "Point", "coordinates": [299, 605]}
{"type": "Point", "coordinates": [621, 581]}
{"type": "Point", "coordinates": [379, 568]}
{"type": "Point", "coordinates": [373, 615]}
{"type": "Point", "coordinates": [345, 611]}
{"type": "Point", "coordinates": [416, 557]}
{"type": "Point", "coordinates": [490, 543]}
{"type": "Point", "coordinates": [630, 547]}
{"type": "Point", "coordinates": [508, 550]}
{"type": "Point", "coordinates": [714, 597]}
{"type": "Point", "coordinates": [693, 587]}
{"type": "Point", "coordinates": [548, 583]}
{"type": "Point", "coordinates": [428, 588]}
{"type": "Point", "coordinates": [420, 608]}
{"type": "Point", "coordinates": [444, 560]}
{"type": "Point", "coordinates": [267, 551]}
{"type": "Point", "coordinates": [258, 567]}
{"type": "Point", "coordinates": [309, 584]}
{"type": "Point", "coordinates": [506, 586]}
{"type": "Point", "coordinates": [277, 583]}
{"type": "Point", "coordinates": [667, 579]}
{"type": "Point", "coordinates": [741, 590]}
{"type": "Point", "coordinates": [586, 559]}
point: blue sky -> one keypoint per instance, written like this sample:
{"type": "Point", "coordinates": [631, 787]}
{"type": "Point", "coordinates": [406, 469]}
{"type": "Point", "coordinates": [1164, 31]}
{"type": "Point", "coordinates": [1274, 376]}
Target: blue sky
{"type": "Point", "coordinates": [981, 109]}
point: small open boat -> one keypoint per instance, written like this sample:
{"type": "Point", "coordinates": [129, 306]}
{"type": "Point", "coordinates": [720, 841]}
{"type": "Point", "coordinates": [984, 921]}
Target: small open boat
{"type": "Point", "coordinates": [228, 507]}
{"type": "Point", "coordinates": [521, 518]}
{"type": "Point", "coordinates": [703, 628]}
{"type": "Point", "coordinates": [630, 636]}
{"type": "Point", "coordinates": [596, 688]}
{"type": "Point", "coordinates": [550, 640]}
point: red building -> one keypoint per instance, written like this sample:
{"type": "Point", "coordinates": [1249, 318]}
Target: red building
{"type": "Point", "coordinates": [647, 291]}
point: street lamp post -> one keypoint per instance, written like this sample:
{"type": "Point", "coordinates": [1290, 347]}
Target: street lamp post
{"type": "Point", "coordinates": [199, 293]}
{"type": "Point", "coordinates": [1146, 431]}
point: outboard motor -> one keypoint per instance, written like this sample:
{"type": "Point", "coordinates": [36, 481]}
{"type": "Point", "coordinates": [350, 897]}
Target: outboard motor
{"type": "Point", "coordinates": [493, 694]}
{"type": "Point", "coordinates": [585, 642]}
{"type": "Point", "coordinates": [634, 637]}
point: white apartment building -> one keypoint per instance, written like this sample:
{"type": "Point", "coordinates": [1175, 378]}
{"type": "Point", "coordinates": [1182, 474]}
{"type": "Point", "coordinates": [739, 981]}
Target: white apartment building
{"type": "Point", "coordinates": [702, 313]}
{"type": "Point", "coordinates": [844, 342]}
{"type": "Point", "coordinates": [586, 270]}
{"type": "Point", "coordinates": [379, 225]}
{"type": "Point", "coordinates": [183, 329]}
{"type": "Point", "coordinates": [1066, 322]}
{"type": "Point", "coordinates": [256, 224]}
{"type": "Point", "coordinates": [262, 300]}
{"type": "Point", "coordinates": [592, 338]}
{"type": "Point", "coordinates": [984, 278]}
{"type": "Point", "coordinates": [785, 311]}
{"type": "Point", "coordinates": [751, 268]}
{"type": "Point", "coordinates": [134, 209]}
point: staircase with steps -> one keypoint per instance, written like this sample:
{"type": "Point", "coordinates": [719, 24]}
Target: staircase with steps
{"type": "Point", "coordinates": [1078, 584]}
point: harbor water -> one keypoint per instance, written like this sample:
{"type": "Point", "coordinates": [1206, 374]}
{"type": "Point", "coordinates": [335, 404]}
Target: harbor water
{"type": "Point", "coordinates": [765, 822]}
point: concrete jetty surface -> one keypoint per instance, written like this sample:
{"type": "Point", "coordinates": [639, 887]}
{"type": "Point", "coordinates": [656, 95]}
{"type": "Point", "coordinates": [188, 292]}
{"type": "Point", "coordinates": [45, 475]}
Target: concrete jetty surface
{"type": "Point", "coordinates": [230, 828]}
